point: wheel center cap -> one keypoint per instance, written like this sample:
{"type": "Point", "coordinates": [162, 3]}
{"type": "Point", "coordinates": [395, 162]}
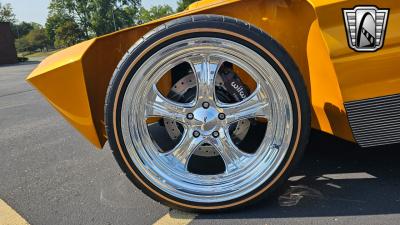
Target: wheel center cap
{"type": "Point", "coordinates": [207, 118]}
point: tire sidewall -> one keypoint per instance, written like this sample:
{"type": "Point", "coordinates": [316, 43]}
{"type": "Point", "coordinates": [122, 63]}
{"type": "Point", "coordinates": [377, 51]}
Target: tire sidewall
{"type": "Point", "coordinates": [242, 33]}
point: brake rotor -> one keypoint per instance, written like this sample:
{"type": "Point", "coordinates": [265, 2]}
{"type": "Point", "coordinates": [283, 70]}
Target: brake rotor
{"type": "Point", "coordinates": [183, 90]}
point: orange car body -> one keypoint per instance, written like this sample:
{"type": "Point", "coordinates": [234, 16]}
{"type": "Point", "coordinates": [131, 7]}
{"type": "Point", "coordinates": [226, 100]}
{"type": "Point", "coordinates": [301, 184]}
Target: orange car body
{"type": "Point", "coordinates": [313, 32]}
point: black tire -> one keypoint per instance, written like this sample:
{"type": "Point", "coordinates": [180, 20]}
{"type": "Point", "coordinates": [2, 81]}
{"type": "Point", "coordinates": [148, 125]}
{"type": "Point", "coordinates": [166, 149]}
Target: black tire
{"type": "Point", "coordinates": [211, 26]}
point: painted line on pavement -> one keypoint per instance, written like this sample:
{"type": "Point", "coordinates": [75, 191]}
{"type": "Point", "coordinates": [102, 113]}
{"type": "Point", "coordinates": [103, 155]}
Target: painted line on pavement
{"type": "Point", "coordinates": [175, 217]}
{"type": "Point", "coordinates": [8, 216]}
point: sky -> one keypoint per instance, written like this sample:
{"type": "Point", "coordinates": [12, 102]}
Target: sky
{"type": "Point", "coordinates": [36, 10]}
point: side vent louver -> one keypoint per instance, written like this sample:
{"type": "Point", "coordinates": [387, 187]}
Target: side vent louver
{"type": "Point", "coordinates": [375, 121]}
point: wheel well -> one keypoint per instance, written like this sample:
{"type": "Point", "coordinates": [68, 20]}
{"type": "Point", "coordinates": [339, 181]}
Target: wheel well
{"type": "Point", "coordinates": [304, 44]}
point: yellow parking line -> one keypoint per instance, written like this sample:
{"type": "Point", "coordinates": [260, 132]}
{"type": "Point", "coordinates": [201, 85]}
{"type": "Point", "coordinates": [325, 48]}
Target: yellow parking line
{"type": "Point", "coordinates": [175, 217]}
{"type": "Point", "coordinates": [9, 216]}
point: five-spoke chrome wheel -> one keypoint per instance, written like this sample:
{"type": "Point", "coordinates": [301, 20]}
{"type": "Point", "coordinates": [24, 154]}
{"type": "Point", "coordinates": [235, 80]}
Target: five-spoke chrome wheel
{"type": "Point", "coordinates": [206, 120]}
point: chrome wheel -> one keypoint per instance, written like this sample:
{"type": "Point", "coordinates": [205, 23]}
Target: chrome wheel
{"type": "Point", "coordinates": [206, 120]}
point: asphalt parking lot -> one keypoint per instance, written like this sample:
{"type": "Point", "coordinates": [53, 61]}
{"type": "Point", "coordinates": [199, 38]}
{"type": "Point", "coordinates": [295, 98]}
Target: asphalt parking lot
{"type": "Point", "coordinates": [50, 175]}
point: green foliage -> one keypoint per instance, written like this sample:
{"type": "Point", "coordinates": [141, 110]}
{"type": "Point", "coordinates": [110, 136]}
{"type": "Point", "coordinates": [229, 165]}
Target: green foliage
{"type": "Point", "coordinates": [183, 4]}
{"type": "Point", "coordinates": [68, 34]}
{"type": "Point", "coordinates": [23, 28]}
{"type": "Point", "coordinates": [53, 22]}
{"type": "Point", "coordinates": [97, 17]}
{"type": "Point", "coordinates": [36, 39]}
{"type": "Point", "coordinates": [6, 13]}
{"type": "Point", "coordinates": [22, 44]}
{"type": "Point", "coordinates": [72, 21]}
{"type": "Point", "coordinates": [154, 13]}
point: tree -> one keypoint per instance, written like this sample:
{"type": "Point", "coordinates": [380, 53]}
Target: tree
{"type": "Point", "coordinates": [154, 13]}
{"type": "Point", "coordinates": [68, 34]}
{"type": "Point", "coordinates": [53, 22]}
{"type": "Point", "coordinates": [38, 39]}
{"type": "Point", "coordinates": [34, 40]}
{"type": "Point", "coordinates": [22, 44]}
{"type": "Point", "coordinates": [6, 13]}
{"type": "Point", "coordinates": [183, 4]}
{"type": "Point", "coordinates": [23, 28]}
{"type": "Point", "coordinates": [97, 17]}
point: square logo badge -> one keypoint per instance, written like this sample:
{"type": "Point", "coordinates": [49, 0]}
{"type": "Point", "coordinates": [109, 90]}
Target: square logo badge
{"type": "Point", "coordinates": [366, 27]}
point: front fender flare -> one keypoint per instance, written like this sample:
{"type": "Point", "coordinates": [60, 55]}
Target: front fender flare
{"type": "Point", "coordinates": [75, 80]}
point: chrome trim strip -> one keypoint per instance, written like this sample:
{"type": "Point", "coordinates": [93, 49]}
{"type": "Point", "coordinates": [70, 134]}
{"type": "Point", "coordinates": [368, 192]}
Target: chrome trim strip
{"type": "Point", "coordinates": [380, 118]}
{"type": "Point", "coordinates": [378, 123]}
{"type": "Point", "coordinates": [380, 104]}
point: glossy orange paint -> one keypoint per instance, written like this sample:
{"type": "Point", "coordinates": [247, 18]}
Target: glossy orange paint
{"type": "Point", "coordinates": [75, 80]}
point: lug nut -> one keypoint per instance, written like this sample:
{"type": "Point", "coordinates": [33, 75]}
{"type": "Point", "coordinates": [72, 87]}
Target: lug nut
{"type": "Point", "coordinates": [206, 105]}
{"type": "Point", "coordinates": [196, 134]}
{"type": "Point", "coordinates": [190, 116]}
{"type": "Point", "coordinates": [215, 134]}
{"type": "Point", "coordinates": [221, 116]}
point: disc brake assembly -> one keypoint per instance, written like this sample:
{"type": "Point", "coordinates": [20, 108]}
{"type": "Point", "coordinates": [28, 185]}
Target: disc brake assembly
{"type": "Point", "coordinates": [229, 88]}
